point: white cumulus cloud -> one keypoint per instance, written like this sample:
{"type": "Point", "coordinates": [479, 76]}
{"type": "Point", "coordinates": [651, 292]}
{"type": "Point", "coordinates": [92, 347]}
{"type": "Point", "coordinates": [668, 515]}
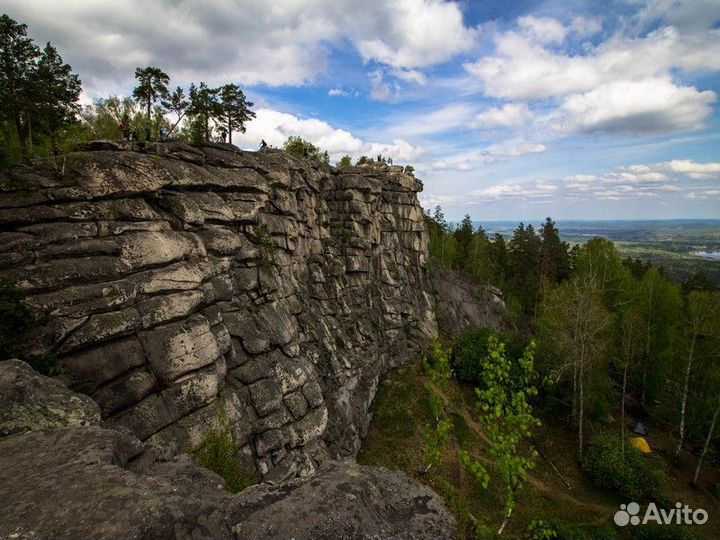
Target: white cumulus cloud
{"type": "Point", "coordinates": [654, 105]}
{"type": "Point", "coordinates": [275, 127]}
{"type": "Point", "coordinates": [509, 115]}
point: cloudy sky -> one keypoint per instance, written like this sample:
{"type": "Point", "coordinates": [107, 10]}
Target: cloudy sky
{"type": "Point", "coordinates": [507, 110]}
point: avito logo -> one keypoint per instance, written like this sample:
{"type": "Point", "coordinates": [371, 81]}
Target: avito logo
{"type": "Point", "coordinates": [680, 515]}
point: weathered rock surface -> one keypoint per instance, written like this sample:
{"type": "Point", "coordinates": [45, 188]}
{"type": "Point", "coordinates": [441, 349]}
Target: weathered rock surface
{"type": "Point", "coordinates": [76, 483]}
{"type": "Point", "coordinates": [91, 482]}
{"type": "Point", "coordinates": [29, 401]}
{"type": "Point", "coordinates": [460, 301]}
{"type": "Point", "coordinates": [87, 481]}
{"type": "Point", "coordinates": [342, 501]}
{"type": "Point", "coordinates": [173, 282]}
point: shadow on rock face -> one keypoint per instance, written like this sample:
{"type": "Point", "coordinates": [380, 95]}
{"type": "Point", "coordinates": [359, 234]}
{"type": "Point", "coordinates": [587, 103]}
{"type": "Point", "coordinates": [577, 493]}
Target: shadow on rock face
{"type": "Point", "coordinates": [64, 476]}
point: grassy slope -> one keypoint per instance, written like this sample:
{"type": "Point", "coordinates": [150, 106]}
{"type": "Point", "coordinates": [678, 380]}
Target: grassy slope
{"type": "Point", "coordinates": [396, 440]}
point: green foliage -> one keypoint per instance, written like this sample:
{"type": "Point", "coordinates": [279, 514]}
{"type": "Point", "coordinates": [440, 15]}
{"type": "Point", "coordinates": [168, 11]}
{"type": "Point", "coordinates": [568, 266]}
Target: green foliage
{"type": "Point", "coordinates": [524, 263]}
{"type": "Point", "coordinates": [470, 349]}
{"type": "Point", "coordinates": [219, 453]}
{"type": "Point", "coordinates": [15, 318]}
{"type": "Point", "coordinates": [38, 95]}
{"type": "Point", "coordinates": [699, 281]}
{"type": "Point", "coordinates": [632, 475]}
{"type": "Point", "coordinates": [476, 469]}
{"type": "Point", "coordinates": [364, 160]}
{"type": "Point", "coordinates": [436, 439]}
{"type": "Point", "coordinates": [598, 260]}
{"type": "Point", "coordinates": [345, 161]}
{"type": "Point", "coordinates": [178, 104]}
{"type": "Point", "coordinates": [304, 149]}
{"type": "Point", "coordinates": [575, 336]}
{"type": "Point", "coordinates": [233, 110]}
{"type": "Point", "coordinates": [390, 412]}
{"type": "Point", "coordinates": [507, 419]}
{"type": "Point", "coordinates": [102, 119]}
{"type": "Point", "coordinates": [554, 254]}
{"type": "Point", "coordinates": [151, 86]}
{"type": "Point", "coordinates": [436, 363]}
{"type": "Point", "coordinates": [443, 246]}
{"type": "Point", "coordinates": [265, 245]}
{"type": "Point", "coordinates": [204, 106]}
{"type": "Point", "coordinates": [659, 307]}
{"type": "Point", "coordinates": [464, 237]}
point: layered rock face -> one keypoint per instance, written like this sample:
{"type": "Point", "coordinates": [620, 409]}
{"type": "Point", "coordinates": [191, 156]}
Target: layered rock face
{"type": "Point", "coordinates": [185, 288]}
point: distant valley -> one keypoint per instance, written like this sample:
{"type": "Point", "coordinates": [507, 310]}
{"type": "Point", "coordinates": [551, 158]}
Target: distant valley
{"type": "Point", "coordinates": [682, 246]}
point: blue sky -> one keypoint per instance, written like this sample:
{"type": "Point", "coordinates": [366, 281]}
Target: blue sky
{"type": "Point", "coordinates": [507, 110]}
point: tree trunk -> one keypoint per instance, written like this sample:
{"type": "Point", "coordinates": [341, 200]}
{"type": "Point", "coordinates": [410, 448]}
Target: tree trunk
{"type": "Point", "coordinates": [21, 137]}
{"type": "Point", "coordinates": [180, 117]}
{"type": "Point", "coordinates": [29, 136]}
{"type": "Point", "coordinates": [647, 344]}
{"type": "Point", "coordinates": [581, 413]}
{"type": "Point", "coordinates": [707, 443]}
{"type": "Point", "coordinates": [683, 405]}
{"type": "Point", "coordinates": [229, 132]}
{"type": "Point", "coordinates": [149, 120]}
{"type": "Point", "coordinates": [575, 390]}
{"type": "Point", "coordinates": [505, 521]}
{"type": "Point", "coordinates": [622, 411]}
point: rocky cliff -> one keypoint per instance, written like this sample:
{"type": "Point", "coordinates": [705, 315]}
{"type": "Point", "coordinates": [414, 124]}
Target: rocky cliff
{"type": "Point", "coordinates": [183, 288]}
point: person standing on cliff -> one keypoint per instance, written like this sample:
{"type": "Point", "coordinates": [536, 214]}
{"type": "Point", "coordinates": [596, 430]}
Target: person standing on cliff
{"type": "Point", "coordinates": [263, 145]}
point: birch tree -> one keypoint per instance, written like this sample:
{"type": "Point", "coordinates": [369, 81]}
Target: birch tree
{"type": "Point", "coordinates": [703, 315]}
{"type": "Point", "coordinates": [507, 419]}
{"type": "Point", "coordinates": [574, 323]}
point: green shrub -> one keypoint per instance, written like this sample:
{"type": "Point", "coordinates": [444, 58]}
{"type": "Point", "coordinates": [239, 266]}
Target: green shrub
{"type": "Point", "coordinates": [636, 477]}
{"type": "Point", "coordinates": [471, 346]}
{"type": "Point", "coordinates": [436, 363]}
{"type": "Point", "coordinates": [219, 453]}
{"type": "Point", "coordinates": [304, 149]}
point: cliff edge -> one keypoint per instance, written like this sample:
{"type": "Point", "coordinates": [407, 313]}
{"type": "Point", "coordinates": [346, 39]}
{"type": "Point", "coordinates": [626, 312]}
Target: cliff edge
{"type": "Point", "coordinates": [186, 288]}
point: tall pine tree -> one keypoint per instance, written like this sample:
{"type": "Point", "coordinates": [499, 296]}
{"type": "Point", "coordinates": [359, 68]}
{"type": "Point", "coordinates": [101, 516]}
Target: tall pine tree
{"type": "Point", "coordinates": [234, 109]}
{"type": "Point", "coordinates": [152, 86]}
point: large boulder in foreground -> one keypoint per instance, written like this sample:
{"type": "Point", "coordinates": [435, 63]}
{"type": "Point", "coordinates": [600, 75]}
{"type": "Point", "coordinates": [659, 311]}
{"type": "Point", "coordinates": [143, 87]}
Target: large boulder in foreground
{"type": "Point", "coordinates": [78, 483]}
{"type": "Point", "coordinates": [62, 476]}
{"type": "Point", "coordinates": [91, 482]}
{"type": "Point", "coordinates": [30, 401]}
{"type": "Point", "coordinates": [342, 501]}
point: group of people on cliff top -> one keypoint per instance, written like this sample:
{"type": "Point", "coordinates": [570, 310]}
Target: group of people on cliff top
{"type": "Point", "coordinates": [129, 135]}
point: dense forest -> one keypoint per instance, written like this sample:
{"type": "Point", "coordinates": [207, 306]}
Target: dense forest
{"type": "Point", "coordinates": [590, 335]}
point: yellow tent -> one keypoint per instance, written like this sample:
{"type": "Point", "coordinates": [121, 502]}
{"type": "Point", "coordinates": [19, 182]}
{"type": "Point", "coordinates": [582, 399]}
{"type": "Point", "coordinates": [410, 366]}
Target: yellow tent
{"type": "Point", "coordinates": [641, 444]}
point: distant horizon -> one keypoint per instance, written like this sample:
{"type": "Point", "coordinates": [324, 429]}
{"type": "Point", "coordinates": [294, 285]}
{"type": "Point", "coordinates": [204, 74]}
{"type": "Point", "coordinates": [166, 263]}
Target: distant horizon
{"type": "Point", "coordinates": [714, 221]}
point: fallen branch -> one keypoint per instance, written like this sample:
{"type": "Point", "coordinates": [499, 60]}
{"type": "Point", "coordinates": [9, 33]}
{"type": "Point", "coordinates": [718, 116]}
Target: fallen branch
{"type": "Point", "coordinates": [554, 468]}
